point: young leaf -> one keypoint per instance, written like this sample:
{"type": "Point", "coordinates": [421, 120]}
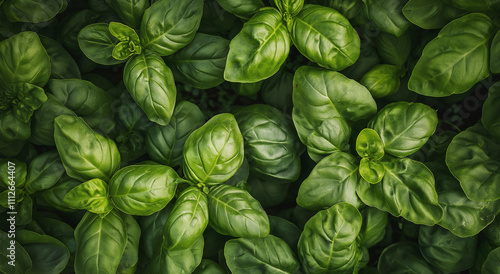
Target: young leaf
{"type": "Point", "coordinates": [97, 44]}
{"type": "Point", "coordinates": [369, 144]}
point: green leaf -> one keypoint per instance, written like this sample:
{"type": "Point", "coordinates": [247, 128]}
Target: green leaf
{"type": "Point", "coordinates": [431, 14]}
{"type": "Point", "coordinates": [91, 195]}
{"type": "Point", "coordinates": [265, 255]}
{"type": "Point", "coordinates": [406, 190]}
{"type": "Point", "coordinates": [152, 231]}
{"type": "Point", "coordinates": [479, 5]}
{"type": "Point", "coordinates": [491, 113]}
{"type": "Point", "coordinates": [28, 99]}
{"type": "Point", "coordinates": [48, 255]}
{"type": "Point", "coordinates": [57, 229]}
{"type": "Point", "coordinates": [69, 29]}
{"type": "Point", "coordinates": [285, 230]}
{"type": "Point", "coordinates": [325, 104]}
{"type": "Point", "coordinates": [459, 253]}
{"type": "Point", "coordinates": [130, 256]}
{"type": "Point", "coordinates": [25, 211]}
{"type": "Point", "coordinates": [473, 157]}
{"type": "Point", "coordinates": [165, 143]}
{"type": "Point", "coordinates": [492, 263]}
{"type": "Point", "coordinates": [382, 80]}
{"type": "Point", "coordinates": [182, 261]}
{"type": "Point", "coordinates": [214, 152]}
{"type": "Point", "coordinates": [130, 43]}
{"type": "Point", "coordinates": [272, 147]}
{"type": "Point", "coordinates": [42, 122]}
{"type": "Point", "coordinates": [234, 212]}
{"type": "Point", "coordinates": [492, 232]}
{"type": "Point", "coordinates": [97, 43]}
{"type": "Point", "coordinates": [289, 8]}
{"type": "Point", "coordinates": [461, 216]}
{"type": "Point", "coordinates": [201, 63]}
{"type": "Point", "coordinates": [394, 50]}
{"type": "Point", "coordinates": [100, 243]}
{"type": "Point", "coordinates": [7, 166]}
{"type": "Point", "coordinates": [87, 100]}
{"type": "Point", "coordinates": [130, 11]}
{"type": "Point", "coordinates": [143, 189]}
{"type": "Point", "coordinates": [328, 242]}
{"type": "Point", "coordinates": [333, 180]}
{"type": "Point", "coordinates": [168, 26]}
{"type": "Point", "coordinates": [348, 8]}
{"type": "Point", "coordinates": [325, 37]}
{"type": "Point", "coordinates": [77, 143]}
{"type": "Point", "coordinates": [151, 84]}
{"type": "Point", "coordinates": [209, 267]}
{"type": "Point", "coordinates": [63, 66]}
{"type": "Point", "coordinates": [43, 172]}
{"type": "Point", "coordinates": [495, 54]}
{"type": "Point", "coordinates": [371, 171]}
{"type": "Point", "coordinates": [403, 257]}
{"type": "Point", "coordinates": [11, 128]}
{"type": "Point", "coordinates": [32, 11]}
{"type": "Point", "coordinates": [404, 127]}
{"type": "Point", "coordinates": [369, 144]}
{"type": "Point", "coordinates": [259, 49]}
{"type": "Point", "coordinates": [187, 221]}
{"type": "Point", "coordinates": [54, 196]}
{"type": "Point", "coordinates": [244, 9]}
{"type": "Point", "coordinates": [22, 263]}
{"type": "Point", "coordinates": [388, 16]}
{"type": "Point", "coordinates": [437, 74]}
{"type": "Point", "coordinates": [268, 191]}
{"type": "Point", "coordinates": [374, 226]}
{"type": "Point", "coordinates": [24, 60]}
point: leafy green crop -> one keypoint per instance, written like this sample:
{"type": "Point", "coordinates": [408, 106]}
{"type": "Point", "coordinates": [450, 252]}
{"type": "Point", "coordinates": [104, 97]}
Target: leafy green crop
{"type": "Point", "coordinates": [250, 136]}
